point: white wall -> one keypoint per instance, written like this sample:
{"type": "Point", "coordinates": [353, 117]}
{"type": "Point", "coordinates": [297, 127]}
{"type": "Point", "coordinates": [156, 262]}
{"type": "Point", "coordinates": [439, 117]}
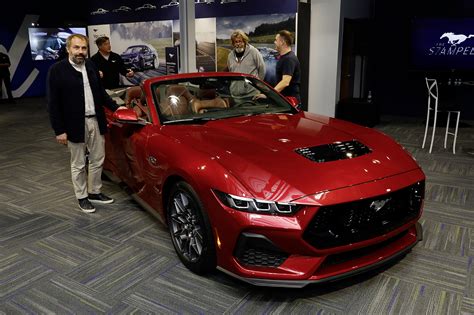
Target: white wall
{"type": "Point", "coordinates": [324, 52]}
{"type": "Point", "coordinates": [327, 22]}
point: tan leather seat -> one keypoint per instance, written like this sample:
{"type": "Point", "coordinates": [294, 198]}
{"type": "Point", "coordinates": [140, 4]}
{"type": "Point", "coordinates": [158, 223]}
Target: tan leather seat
{"type": "Point", "coordinates": [133, 93]}
{"type": "Point", "coordinates": [176, 101]}
{"type": "Point", "coordinates": [135, 99]}
{"type": "Point", "coordinates": [200, 106]}
{"type": "Point", "coordinates": [207, 98]}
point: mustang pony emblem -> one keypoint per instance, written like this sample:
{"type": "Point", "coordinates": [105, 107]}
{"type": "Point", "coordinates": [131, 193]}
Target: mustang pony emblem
{"type": "Point", "coordinates": [455, 39]}
{"type": "Point", "coordinates": [378, 204]}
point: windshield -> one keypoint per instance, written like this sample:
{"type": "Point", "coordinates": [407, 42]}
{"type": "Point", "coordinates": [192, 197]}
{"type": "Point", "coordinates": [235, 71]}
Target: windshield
{"type": "Point", "coordinates": [133, 50]}
{"type": "Point", "coordinates": [211, 98]}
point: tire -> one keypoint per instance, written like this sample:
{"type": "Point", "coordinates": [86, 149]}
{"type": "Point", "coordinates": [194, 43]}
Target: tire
{"type": "Point", "coordinates": [190, 229]}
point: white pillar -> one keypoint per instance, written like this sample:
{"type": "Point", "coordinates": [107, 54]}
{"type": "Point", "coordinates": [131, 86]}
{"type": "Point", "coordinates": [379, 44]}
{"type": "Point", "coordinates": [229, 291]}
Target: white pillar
{"type": "Point", "coordinates": [324, 52]}
{"type": "Point", "coordinates": [187, 29]}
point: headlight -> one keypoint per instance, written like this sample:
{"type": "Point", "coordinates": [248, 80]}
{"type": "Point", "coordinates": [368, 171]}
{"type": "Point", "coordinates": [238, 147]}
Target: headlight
{"type": "Point", "coordinates": [255, 205]}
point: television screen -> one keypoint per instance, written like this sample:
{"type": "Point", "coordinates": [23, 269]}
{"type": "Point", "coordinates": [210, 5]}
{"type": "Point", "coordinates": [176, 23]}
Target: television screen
{"type": "Point", "coordinates": [441, 43]}
{"type": "Point", "coordinates": [50, 43]}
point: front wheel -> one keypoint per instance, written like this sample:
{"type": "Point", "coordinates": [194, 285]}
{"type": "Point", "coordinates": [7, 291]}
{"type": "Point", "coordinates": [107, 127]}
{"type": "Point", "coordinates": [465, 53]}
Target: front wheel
{"type": "Point", "coordinates": [190, 229]}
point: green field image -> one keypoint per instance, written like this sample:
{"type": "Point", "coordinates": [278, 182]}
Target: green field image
{"type": "Point", "coordinates": [222, 54]}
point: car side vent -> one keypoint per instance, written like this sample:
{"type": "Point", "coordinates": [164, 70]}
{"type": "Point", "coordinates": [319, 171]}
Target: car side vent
{"type": "Point", "coordinates": [334, 151]}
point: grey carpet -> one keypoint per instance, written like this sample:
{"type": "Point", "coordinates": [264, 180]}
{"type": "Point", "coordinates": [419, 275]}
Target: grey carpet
{"type": "Point", "coordinates": [56, 259]}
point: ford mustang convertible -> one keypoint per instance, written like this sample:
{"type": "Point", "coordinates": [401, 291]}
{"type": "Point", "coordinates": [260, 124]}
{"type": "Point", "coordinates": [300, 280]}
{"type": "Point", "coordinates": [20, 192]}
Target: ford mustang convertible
{"type": "Point", "coordinates": [248, 183]}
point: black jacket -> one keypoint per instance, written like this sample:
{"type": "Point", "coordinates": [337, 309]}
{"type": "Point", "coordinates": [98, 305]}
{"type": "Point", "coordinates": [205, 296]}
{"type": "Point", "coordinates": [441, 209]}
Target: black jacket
{"type": "Point", "coordinates": [110, 68]}
{"type": "Point", "coordinates": [4, 72]}
{"type": "Point", "coordinates": [66, 104]}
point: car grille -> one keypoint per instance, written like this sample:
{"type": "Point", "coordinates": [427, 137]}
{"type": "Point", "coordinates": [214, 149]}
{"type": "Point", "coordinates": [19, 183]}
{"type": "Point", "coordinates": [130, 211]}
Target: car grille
{"type": "Point", "coordinates": [334, 151]}
{"type": "Point", "coordinates": [262, 258]}
{"type": "Point", "coordinates": [360, 220]}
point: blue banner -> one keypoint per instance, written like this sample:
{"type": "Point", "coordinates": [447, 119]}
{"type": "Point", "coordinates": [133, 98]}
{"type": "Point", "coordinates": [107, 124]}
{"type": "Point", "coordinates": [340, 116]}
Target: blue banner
{"type": "Point", "coordinates": [110, 12]}
{"type": "Point", "coordinates": [440, 44]}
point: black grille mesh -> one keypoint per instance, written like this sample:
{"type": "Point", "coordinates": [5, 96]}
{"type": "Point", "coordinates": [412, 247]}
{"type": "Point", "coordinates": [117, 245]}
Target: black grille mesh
{"type": "Point", "coordinates": [257, 250]}
{"type": "Point", "coordinates": [352, 222]}
{"type": "Point", "coordinates": [262, 257]}
{"type": "Point", "coordinates": [334, 151]}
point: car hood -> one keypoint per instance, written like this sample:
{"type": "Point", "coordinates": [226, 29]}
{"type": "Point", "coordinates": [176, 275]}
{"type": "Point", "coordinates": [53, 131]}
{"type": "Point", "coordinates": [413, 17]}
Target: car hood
{"type": "Point", "coordinates": [259, 151]}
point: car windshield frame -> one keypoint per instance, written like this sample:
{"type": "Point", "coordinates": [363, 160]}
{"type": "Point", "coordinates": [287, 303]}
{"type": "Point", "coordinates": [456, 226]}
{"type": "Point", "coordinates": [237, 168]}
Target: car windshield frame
{"type": "Point", "coordinates": [206, 98]}
{"type": "Point", "coordinates": [133, 50]}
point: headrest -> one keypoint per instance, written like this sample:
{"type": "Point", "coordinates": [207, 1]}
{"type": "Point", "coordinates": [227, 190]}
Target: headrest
{"type": "Point", "coordinates": [178, 90]}
{"type": "Point", "coordinates": [134, 92]}
{"type": "Point", "coordinates": [206, 94]}
{"type": "Point", "coordinates": [176, 100]}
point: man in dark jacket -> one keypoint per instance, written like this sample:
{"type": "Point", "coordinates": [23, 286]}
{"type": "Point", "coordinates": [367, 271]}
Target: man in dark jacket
{"type": "Point", "coordinates": [110, 64]}
{"type": "Point", "coordinates": [75, 100]}
{"type": "Point", "coordinates": [5, 75]}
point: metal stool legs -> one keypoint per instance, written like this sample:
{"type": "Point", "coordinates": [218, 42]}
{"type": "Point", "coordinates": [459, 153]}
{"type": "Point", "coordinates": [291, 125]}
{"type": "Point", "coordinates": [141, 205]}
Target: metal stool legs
{"type": "Point", "coordinates": [427, 126]}
{"type": "Point", "coordinates": [455, 133]}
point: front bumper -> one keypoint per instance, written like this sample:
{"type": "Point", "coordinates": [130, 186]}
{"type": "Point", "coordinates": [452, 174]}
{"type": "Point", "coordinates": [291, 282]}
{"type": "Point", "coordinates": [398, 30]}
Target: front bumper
{"type": "Point", "coordinates": [291, 261]}
{"type": "Point", "coordinates": [370, 265]}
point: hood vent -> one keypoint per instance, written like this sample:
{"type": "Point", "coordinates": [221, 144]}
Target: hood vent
{"type": "Point", "coordinates": [334, 151]}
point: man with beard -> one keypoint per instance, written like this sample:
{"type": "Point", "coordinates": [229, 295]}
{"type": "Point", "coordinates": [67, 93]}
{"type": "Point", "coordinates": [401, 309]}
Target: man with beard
{"type": "Point", "coordinates": [75, 100]}
{"type": "Point", "coordinates": [244, 58]}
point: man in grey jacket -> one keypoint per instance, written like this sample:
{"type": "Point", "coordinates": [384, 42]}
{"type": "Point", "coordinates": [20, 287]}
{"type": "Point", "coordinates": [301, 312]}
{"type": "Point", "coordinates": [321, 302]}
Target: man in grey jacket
{"type": "Point", "coordinates": [244, 58]}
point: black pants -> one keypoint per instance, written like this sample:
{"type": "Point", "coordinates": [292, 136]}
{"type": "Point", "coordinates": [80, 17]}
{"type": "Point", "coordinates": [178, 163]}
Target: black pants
{"type": "Point", "coordinates": [8, 85]}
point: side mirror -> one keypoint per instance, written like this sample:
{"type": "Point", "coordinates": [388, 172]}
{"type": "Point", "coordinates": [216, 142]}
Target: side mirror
{"type": "Point", "coordinates": [126, 116]}
{"type": "Point", "coordinates": [294, 102]}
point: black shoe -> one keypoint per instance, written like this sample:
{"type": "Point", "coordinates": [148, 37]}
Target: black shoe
{"type": "Point", "coordinates": [100, 198]}
{"type": "Point", "coordinates": [86, 205]}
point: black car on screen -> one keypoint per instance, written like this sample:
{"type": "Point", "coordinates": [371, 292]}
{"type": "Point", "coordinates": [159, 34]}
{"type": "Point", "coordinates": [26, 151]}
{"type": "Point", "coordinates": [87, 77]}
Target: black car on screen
{"type": "Point", "coordinates": [140, 57]}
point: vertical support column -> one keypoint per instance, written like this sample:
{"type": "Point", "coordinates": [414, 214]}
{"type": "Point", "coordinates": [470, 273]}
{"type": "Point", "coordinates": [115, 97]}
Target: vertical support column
{"type": "Point", "coordinates": [187, 29]}
{"type": "Point", "coordinates": [303, 25]}
{"type": "Point", "coordinates": [324, 62]}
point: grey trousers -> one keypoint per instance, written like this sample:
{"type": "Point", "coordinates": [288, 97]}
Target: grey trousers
{"type": "Point", "coordinates": [87, 182]}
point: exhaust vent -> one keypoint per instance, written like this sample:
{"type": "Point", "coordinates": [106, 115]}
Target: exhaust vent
{"type": "Point", "coordinates": [334, 151]}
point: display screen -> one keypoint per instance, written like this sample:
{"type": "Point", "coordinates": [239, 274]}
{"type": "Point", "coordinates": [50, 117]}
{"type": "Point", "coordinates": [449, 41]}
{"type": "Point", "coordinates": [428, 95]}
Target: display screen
{"type": "Point", "coordinates": [441, 43]}
{"type": "Point", "coordinates": [50, 43]}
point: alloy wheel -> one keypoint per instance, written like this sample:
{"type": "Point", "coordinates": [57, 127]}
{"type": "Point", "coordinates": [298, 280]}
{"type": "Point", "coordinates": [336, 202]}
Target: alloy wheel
{"type": "Point", "coordinates": [185, 226]}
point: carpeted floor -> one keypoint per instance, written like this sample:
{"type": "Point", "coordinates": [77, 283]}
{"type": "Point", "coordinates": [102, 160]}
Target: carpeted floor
{"type": "Point", "coordinates": [56, 259]}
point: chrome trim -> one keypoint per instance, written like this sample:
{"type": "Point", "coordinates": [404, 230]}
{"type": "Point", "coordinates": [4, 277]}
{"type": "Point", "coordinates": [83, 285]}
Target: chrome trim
{"type": "Point", "coordinates": [252, 204]}
{"type": "Point", "coordinates": [232, 202]}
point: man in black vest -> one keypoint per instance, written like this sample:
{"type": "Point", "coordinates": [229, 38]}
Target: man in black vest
{"type": "Point", "coordinates": [75, 100]}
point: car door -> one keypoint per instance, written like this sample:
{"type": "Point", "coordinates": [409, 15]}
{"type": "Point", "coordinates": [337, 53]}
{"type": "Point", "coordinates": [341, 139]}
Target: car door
{"type": "Point", "coordinates": [123, 141]}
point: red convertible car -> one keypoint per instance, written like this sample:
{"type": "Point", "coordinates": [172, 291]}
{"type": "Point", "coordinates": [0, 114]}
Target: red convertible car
{"type": "Point", "coordinates": [248, 183]}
